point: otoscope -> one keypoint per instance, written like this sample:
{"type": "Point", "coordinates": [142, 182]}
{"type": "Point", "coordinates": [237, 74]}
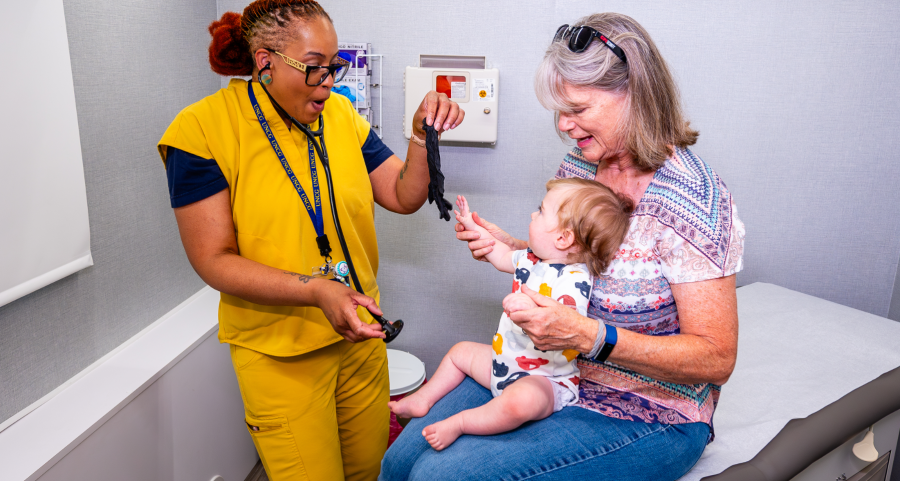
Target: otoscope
{"type": "Point", "coordinates": [391, 330]}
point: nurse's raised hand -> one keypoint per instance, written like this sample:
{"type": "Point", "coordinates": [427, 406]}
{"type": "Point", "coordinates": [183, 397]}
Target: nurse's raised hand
{"type": "Point", "coordinates": [438, 111]}
{"type": "Point", "coordinates": [339, 304]}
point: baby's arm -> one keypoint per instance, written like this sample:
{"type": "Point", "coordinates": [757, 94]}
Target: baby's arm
{"type": "Point", "coordinates": [501, 256]}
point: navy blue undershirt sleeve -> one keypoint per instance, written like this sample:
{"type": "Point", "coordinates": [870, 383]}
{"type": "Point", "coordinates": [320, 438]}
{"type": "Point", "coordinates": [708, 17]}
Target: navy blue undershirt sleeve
{"type": "Point", "coordinates": [192, 178]}
{"type": "Point", "coordinates": [374, 151]}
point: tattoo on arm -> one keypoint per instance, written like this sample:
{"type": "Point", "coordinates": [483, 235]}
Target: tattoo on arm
{"type": "Point", "coordinates": [301, 277]}
{"type": "Point", "coordinates": [403, 170]}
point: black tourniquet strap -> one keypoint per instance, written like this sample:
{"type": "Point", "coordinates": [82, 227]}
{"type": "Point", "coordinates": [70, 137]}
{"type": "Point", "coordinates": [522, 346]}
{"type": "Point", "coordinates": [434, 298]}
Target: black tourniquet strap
{"type": "Point", "coordinates": [436, 185]}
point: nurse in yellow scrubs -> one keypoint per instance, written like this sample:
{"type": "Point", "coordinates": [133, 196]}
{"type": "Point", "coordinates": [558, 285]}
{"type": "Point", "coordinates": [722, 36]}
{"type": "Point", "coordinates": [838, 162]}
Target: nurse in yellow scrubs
{"type": "Point", "coordinates": [249, 195]}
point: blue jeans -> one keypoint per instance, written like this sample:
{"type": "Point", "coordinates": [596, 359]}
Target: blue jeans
{"type": "Point", "coordinates": [572, 444]}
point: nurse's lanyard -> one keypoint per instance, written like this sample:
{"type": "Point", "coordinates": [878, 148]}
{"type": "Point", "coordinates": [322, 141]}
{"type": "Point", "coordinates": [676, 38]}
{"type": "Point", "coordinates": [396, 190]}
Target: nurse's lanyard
{"type": "Point", "coordinates": [342, 269]}
{"type": "Point", "coordinates": [315, 213]}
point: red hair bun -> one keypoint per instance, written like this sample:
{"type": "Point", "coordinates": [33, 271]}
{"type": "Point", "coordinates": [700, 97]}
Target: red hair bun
{"type": "Point", "coordinates": [229, 53]}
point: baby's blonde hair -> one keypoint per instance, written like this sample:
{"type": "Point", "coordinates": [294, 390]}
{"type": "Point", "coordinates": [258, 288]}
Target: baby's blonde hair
{"type": "Point", "coordinates": [598, 217]}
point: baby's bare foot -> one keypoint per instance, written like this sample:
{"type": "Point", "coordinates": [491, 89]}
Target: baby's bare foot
{"type": "Point", "coordinates": [411, 406]}
{"type": "Point", "coordinates": [441, 434]}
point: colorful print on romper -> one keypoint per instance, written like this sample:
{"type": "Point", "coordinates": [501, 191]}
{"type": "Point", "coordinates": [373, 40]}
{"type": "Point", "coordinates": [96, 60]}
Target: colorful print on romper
{"type": "Point", "coordinates": [499, 369]}
{"type": "Point", "coordinates": [514, 355]}
{"type": "Point", "coordinates": [515, 377]}
{"type": "Point", "coordinates": [567, 301]}
{"type": "Point", "coordinates": [546, 290]}
{"type": "Point", "coordinates": [522, 274]}
{"type": "Point", "coordinates": [559, 268]}
{"type": "Point", "coordinates": [584, 288]}
{"type": "Point", "coordinates": [515, 341]}
{"type": "Point", "coordinates": [530, 364]}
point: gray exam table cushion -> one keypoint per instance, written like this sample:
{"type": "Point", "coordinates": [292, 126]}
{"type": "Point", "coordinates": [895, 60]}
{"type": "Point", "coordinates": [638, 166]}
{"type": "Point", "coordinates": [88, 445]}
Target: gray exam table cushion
{"type": "Point", "coordinates": [797, 355]}
{"type": "Point", "coordinates": [803, 441]}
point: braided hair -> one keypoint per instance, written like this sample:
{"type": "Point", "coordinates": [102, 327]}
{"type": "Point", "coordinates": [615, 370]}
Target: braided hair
{"type": "Point", "coordinates": [264, 23]}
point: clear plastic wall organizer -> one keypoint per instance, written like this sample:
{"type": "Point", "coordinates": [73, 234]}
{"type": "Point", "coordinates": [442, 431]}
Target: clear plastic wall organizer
{"type": "Point", "coordinates": [360, 82]}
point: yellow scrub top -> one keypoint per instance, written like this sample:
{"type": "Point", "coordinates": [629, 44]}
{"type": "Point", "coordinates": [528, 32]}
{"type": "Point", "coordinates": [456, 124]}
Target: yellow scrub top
{"type": "Point", "coordinates": [271, 224]}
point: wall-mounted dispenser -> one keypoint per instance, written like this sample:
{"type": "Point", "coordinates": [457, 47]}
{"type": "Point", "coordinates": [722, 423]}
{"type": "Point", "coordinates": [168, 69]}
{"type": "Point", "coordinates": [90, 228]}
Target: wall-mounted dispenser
{"type": "Point", "coordinates": [467, 81]}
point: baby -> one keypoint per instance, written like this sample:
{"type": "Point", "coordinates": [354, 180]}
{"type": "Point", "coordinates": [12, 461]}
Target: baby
{"type": "Point", "coordinates": [574, 235]}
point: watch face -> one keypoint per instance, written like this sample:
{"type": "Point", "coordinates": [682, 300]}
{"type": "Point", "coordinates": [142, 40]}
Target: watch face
{"type": "Point", "coordinates": [342, 269]}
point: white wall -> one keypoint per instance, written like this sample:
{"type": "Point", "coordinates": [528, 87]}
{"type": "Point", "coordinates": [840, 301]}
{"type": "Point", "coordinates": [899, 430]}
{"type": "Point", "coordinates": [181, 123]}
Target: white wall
{"type": "Point", "coordinates": [894, 312]}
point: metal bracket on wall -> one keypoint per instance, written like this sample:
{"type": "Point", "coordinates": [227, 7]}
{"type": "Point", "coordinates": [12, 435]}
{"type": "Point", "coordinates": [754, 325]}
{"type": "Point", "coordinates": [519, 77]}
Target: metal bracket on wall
{"type": "Point", "coordinates": [377, 85]}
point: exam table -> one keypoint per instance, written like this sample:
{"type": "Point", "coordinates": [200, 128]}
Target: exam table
{"type": "Point", "coordinates": [810, 375]}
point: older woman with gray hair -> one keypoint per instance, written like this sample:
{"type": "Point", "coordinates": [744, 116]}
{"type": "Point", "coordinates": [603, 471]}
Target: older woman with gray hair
{"type": "Point", "coordinates": [660, 337]}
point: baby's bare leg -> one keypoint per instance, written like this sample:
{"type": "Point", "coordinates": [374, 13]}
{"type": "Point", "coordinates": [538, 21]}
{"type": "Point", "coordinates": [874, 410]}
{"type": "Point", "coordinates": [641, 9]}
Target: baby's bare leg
{"type": "Point", "coordinates": [528, 399]}
{"type": "Point", "coordinates": [464, 359]}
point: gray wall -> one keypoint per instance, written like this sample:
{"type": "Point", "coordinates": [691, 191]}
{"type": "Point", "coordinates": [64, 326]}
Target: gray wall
{"type": "Point", "coordinates": [894, 312]}
{"type": "Point", "coordinates": [135, 65]}
{"type": "Point", "coordinates": [795, 102]}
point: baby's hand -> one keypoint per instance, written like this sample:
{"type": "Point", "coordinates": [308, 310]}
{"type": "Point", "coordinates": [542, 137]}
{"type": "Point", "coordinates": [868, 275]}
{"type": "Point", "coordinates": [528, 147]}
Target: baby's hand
{"type": "Point", "coordinates": [463, 216]}
{"type": "Point", "coordinates": [517, 302]}
{"type": "Point", "coordinates": [463, 212]}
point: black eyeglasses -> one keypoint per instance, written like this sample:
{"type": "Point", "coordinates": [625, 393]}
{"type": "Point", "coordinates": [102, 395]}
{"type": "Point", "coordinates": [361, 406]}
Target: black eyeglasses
{"type": "Point", "coordinates": [316, 75]}
{"type": "Point", "coordinates": [581, 36]}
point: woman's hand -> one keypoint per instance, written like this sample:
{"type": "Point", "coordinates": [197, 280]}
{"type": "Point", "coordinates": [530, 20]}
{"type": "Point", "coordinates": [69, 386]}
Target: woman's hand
{"type": "Point", "coordinates": [482, 247]}
{"type": "Point", "coordinates": [339, 304]}
{"type": "Point", "coordinates": [438, 111]}
{"type": "Point", "coordinates": [555, 327]}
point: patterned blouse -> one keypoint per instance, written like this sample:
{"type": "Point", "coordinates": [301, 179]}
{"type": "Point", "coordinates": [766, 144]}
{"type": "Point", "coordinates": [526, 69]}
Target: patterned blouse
{"type": "Point", "coordinates": [685, 229]}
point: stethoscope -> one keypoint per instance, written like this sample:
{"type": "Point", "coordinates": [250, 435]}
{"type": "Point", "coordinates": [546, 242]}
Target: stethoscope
{"type": "Point", "coordinates": [391, 330]}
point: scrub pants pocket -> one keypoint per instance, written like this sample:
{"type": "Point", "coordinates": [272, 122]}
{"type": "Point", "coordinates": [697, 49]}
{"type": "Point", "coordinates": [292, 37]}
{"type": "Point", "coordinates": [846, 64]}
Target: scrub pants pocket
{"type": "Point", "coordinates": [275, 443]}
{"type": "Point", "coordinates": [321, 415]}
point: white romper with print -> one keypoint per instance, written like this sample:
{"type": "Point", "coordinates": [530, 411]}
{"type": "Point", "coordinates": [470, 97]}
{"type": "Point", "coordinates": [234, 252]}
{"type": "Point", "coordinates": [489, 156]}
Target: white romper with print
{"type": "Point", "coordinates": [514, 354]}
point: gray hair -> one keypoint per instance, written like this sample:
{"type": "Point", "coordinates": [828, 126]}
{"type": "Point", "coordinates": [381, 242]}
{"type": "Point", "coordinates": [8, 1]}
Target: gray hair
{"type": "Point", "coordinates": [653, 119]}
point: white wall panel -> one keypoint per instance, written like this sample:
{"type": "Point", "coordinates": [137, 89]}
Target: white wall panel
{"type": "Point", "coordinates": [43, 205]}
{"type": "Point", "coordinates": [186, 426]}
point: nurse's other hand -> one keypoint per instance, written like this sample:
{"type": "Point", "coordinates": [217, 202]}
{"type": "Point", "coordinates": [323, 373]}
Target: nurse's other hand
{"type": "Point", "coordinates": [339, 304]}
{"type": "Point", "coordinates": [439, 111]}
{"type": "Point", "coordinates": [482, 247]}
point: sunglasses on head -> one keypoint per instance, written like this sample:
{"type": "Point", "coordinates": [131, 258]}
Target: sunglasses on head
{"type": "Point", "coordinates": [580, 36]}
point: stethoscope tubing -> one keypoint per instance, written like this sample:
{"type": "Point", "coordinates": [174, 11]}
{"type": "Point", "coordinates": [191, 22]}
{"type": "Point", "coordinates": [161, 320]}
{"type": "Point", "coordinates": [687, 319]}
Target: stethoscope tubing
{"type": "Point", "coordinates": [323, 154]}
{"type": "Point", "coordinates": [391, 329]}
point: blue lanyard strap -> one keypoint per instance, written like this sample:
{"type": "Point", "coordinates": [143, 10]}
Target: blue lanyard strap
{"type": "Point", "coordinates": [315, 214]}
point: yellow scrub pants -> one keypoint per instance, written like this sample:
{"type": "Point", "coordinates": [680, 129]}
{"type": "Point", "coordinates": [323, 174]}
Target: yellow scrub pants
{"type": "Point", "coordinates": [322, 415]}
